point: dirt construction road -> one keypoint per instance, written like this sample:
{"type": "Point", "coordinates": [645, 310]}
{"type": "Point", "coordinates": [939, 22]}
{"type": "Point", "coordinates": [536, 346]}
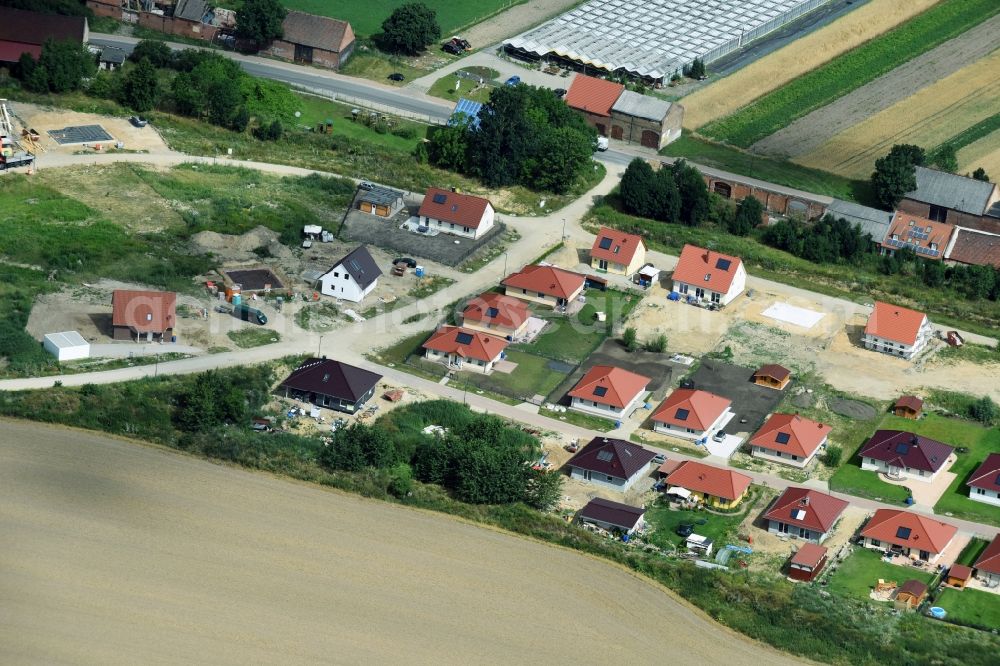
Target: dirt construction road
{"type": "Point", "coordinates": [115, 552]}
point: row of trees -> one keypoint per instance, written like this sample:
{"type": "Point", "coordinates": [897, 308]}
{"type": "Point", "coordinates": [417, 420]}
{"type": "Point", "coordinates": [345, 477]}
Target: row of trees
{"type": "Point", "coordinates": [829, 240]}
{"type": "Point", "coordinates": [61, 67]}
{"type": "Point", "coordinates": [524, 136]}
{"type": "Point", "coordinates": [677, 193]}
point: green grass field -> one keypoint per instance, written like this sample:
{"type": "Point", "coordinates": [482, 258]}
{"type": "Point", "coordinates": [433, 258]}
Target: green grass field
{"type": "Point", "coordinates": [860, 572]}
{"type": "Point", "coordinates": [973, 607]}
{"type": "Point", "coordinates": [445, 86]}
{"type": "Point", "coordinates": [836, 78]}
{"type": "Point", "coordinates": [572, 339]}
{"type": "Point", "coordinates": [721, 529]}
{"type": "Point", "coordinates": [532, 376]}
{"type": "Point", "coordinates": [253, 337]}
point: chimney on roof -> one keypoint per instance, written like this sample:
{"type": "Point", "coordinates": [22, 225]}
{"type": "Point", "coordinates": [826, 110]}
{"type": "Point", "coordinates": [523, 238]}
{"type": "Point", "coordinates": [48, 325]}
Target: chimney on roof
{"type": "Point", "coordinates": [805, 501]}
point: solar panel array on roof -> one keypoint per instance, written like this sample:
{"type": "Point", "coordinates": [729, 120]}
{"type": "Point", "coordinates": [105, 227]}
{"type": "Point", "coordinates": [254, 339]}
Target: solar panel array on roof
{"type": "Point", "coordinates": [903, 533]}
{"type": "Point", "coordinates": [605, 456]}
{"type": "Point", "coordinates": [492, 312]}
{"type": "Point", "coordinates": [600, 391]}
{"type": "Point", "coordinates": [723, 264]}
{"type": "Point", "coordinates": [463, 338]}
{"type": "Point", "coordinates": [902, 449]}
{"type": "Point", "coordinates": [605, 243]}
{"type": "Point", "coordinates": [782, 438]}
{"type": "Point", "coordinates": [682, 414]}
{"type": "Point", "coordinates": [440, 198]}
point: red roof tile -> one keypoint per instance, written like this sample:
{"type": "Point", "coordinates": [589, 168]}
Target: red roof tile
{"type": "Point", "coordinates": [706, 268]}
{"type": "Point", "coordinates": [494, 308]}
{"type": "Point", "coordinates": [27, 27]}
{"type": "Point", "coordinates": [960, 572]}
{"type": "Point", "coordinates": [448, 206]}
{"type": "Point", "coordinates": [918, 232]}
{"type": "Point", "coordinates": [809, 555]}
{"type": "Point", "coordinates": [547, 280]}
{"type": "Point", "coordinates": [608, 385]}
{"type": "Point", "coordinates": [987, 475]}
{"type": "Point", "coordinates": [895, 323]}
{"type": "Point", "coordinates": [144, 311]}
{"type": "Point", "coordinates": [592, 95]}
{"type": "Point", "coordinates": [911, 530]}
{"type": "Point", "coordinates": [804, 507]}
{"type": "Point", "coordinates": [691, 408]}
{"type": "Point", "coordinates": [976, 248]}
{"type": "Point", "coordinates": [989, 561]}
{"type": "Point", "coordinates": [616, 246]}
{"type": "Point", "coordinates": [466, 343]}
{"type": "Point", "coordinates": [715, 481]}
{"type": "Point", "coordinates": [910, 402]}
{"type": "Point", "coordinates": [791, 433]}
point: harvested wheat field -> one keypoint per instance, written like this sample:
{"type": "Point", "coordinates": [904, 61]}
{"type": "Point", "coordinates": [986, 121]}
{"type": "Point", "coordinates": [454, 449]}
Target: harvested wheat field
{"type": "Point", "coordinates": [116, 552]}
{"type": "Point", "coordinates": [776, 69]}
{"type": "Point", "coordinates": [983, 153]}
{"type": "Point", "coordinates": [927, 119]}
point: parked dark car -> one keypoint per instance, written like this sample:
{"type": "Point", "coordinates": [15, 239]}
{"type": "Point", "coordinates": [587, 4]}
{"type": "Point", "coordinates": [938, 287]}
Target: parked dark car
{"type": "Point", "coordinates": [513, 81]}
{"type": "Point", "coordinates": [685, 529]}
{"type": "Point", "coordinates": [560, 92]}
{"type": "Point", "coordinates": [410, 263]}
{"type": "Point", "coordinates": [687, 384]}
{"type": "Point", "coordinates": [396, 76]}
{"type": "Point", "coordinates": [138, 121]}
{"type": "Point", "coordinates": [453, 49]}
{"type": "Point", "coordinates": [461, 43]}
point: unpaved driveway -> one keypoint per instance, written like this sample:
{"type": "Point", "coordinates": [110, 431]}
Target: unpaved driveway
{"type": "Point", "coordinates": [515, 20]}
{"type": "Point", "coordinates": [116, 552]}
{"type": "Point", "coordinates": [809, 132]}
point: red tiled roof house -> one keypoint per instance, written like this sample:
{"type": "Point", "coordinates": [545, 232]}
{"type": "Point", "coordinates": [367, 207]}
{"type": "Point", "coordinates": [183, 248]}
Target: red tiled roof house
{"type": "Point", "coordinates": [617, 252]}
{"type": "Point", "coordinates": [709, 276]}
{"type": "Point", "coordinates": [904, 455]}
{"type": "Point", "coordinates": [545, 285]}
{"type": "Point", "coordinates": [497, 314]}
{"type": "Point", "coordinates": [927, 238]}
{"type": "Point", "coordinates": [804, 513]}
{"type": "Point", "coordinates": [897, 331]}
{"type": "Point", "coordinates": [612, 463]}
{"type": "Point", "coordinates": [465, 349]}
{"type": "Point", "coordinates": [984, 484]}
{"type": "Point", "coordinates": [789, 439]}
{"type": "Point", "coordinates": [715, 486]}
{"type": "Point", "coordinates": [987, 567]}
{"type": "Point", "coordinates": [692, 414]}
{"type": "Point", "coordinates": [143, 315]}
{"type": "Point", "coordinates": [594, 98]}
{"type": "Point", "coordinates": [912, 535]}
{"type": "Point", "coordinates": [608, 391]}
{"type": "Point", "coordinates": [457, 214]}
{"type": "Point", "coordinates": [313, 40]}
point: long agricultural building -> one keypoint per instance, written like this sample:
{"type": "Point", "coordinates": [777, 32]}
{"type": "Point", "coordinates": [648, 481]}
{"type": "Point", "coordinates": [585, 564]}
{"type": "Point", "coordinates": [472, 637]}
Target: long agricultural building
{"type": "Point", "coordinates": [653, 39]}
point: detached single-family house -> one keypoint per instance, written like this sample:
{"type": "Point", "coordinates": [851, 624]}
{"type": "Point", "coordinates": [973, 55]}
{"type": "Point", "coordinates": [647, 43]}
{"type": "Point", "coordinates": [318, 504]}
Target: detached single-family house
{"type": "Point", "coordinates": [807, 562]}
{"type": "Point", "coordinates": [904, 455]}
{"type": "Point", "coordinates": [912, 535]}
{"type": "Point", "coordinates": [692, 414]}
{"type": "Point", "coordinates": [987, 567]}
{"type": "Point", "coordinates": [708, 275]}
{"type": "Point", "coordinates": [546, 285]}
{"type": "Point", "coordinates": [772, 376]}
{"type": "Point", "coordinates": [984, 484]}
{"type": "Point", "coordinates": [897, 331]}
{"type": "Point", "coordinates": [717, 487]}
{"type": "Point", "coordinates": [380, 201]}
{"type": "Point", "coordinates": [465, 349]}
{"type": "Point", "coordinates": [112, 58]}
{"type": "Point", "coordinates": [908, 407]}
{"type": "Point", "coordinates": [910, 594]}
{"type": "Point", "coordinates": [789, 439]}
{"type": "Point", "coordinates": [332, 384]}
{"type": "Point", "coordinates": [612, 516]}
{"type": "Point", "coordinates": [804, 513]}
{"type": "Point", "coordinates": [457, 214]}
{"type": "Point", "coordinates": [612, 463]}
{"type": "Point", "coordinates": [608, 391]}
{"type": "Point", "coordinates": [594, 98]}
{"type": "Point", "coordinates": [313, 40]}
{"type": "Point", "coordinates": [353, 277]}
{"type": "Point", "coordinates": [143, 316]}
{"type": "Point", "coordinates": [495, 313]}
{"type": "Point", "coordinates": [617, 252]}
{"type": "Point", "coordinates": [926, 238]}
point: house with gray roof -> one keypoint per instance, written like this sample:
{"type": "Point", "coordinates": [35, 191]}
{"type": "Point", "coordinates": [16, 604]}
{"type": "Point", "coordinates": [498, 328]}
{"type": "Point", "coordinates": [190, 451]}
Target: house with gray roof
{"type": "Point", "coordinates": [313, 40]}
{"type": "Point", "coordinates": [874, 222]}
{"type": "Point", "coordinates": [378, 200]}
{"type": "Point", "coordinates": [952, 199]}
{"type": "Point", "coordinates": [645, 120]}
{"type": "Point", "coordinates": [353, 277]}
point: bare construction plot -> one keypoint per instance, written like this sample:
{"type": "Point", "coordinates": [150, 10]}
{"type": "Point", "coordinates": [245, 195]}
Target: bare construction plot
{"type": "Point", "coordinates": [118, 553]}
{"type": "Point", "coordinates": [809, 132]}
{"type": "Point", "coordinates": [776, 69]}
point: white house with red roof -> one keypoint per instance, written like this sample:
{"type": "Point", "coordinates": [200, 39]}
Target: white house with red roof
{"type": "Point", "coordinates": [458, 214]}
{"type": "Point", "coordinates": [465, 349]}
{"type": "Point", "coordinates": [543, 284]}
{"type": "Point", "coordinates": [789, 439]}
{"type": "Point", "coordinates": [608, 391]}
{"type": "Point", "coordinates": [495, 313]}
{"type": "Point", "coordinates": [987, 567]}
{"type": "Point", "coordinates": [909, 534]}
{"type": "Point", "coordinates": [897, 331]}
{"type": "Point", "coordinates": [692, 414]}
{"type": "Point", "coordinates": [984, 484]}
{"type": "Point", "coordinates": [617, 252]}
{"type": "Point", "coordinates": [707, 275]}
{"type": "Point", "coordinates": [804, 513]}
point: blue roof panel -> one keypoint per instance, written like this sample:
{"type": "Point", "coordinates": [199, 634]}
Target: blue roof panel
{"type": "Point", "coordinates": [469, 108]}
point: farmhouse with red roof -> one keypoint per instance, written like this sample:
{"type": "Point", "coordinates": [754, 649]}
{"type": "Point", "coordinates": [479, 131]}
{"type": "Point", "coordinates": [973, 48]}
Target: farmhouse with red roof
{"type": "Point", "coordinates": [457, 214]}
{"type": "Point", "coordinates": [912, 535]}
{"type": "Point", "coordinates": [608, 391]}
{"type": "Point", "coordinates": [497, 314]}
{"type": "Point", "coordinates": [984, 484]}
{"type": "Point", "coordinates": [897, 331]}
{"type": "Point", "coordinates": [789, 439]}
{"type": "Point", "coordinates": [617, 252]}
{"type": "Point", "coordinates": [692, 414]}
{"type": "Point", "coordinates": [707, 275]}
{"type": "Point", "coordinates": [465, 349]}
{"type": "Point", "coordinates": [804, 513]}
{"type": "Point", "coordinates": [546, 285]}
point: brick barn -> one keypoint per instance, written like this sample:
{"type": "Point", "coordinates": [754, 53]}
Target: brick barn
{"type": "Point", "coordinates": [313, 40]}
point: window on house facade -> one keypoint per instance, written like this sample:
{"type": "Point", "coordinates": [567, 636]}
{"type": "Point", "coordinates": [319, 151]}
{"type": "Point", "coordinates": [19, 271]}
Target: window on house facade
{"type": "Point", "coordinates": [876, 543]}
{"type": "Point", "coordinates": [980, 491]}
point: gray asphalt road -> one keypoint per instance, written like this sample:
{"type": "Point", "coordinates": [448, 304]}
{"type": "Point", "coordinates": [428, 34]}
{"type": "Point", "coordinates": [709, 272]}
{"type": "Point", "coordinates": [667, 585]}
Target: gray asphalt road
{"type": "Point", "coordinates": [325, 83]}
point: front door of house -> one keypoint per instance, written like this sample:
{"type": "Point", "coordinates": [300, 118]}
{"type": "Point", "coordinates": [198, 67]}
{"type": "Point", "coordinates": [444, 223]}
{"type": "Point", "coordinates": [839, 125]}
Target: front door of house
{"type": "Point", "coordinates": [699, 292]}
{"type": "Point", "coordinates": [602, 264]}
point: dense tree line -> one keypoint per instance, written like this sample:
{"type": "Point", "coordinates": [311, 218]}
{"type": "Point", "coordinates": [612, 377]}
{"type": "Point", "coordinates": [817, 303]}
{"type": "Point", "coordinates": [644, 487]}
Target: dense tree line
{"type": "Point", "coordinates": [61, 67]}
{"type": "Point", "coordinates": [217, 398]}
{"type": "Point", "coordinates": [525, 136]}
{"type": "Point", "coordinates": [828, 240]}
{"type": "Point", "coordinates": [675, 193]}
{"type": "Point", "coordinates": [260, 21]}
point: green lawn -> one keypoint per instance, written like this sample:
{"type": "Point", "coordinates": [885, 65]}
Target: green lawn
{"type": "Point", "coordinates": [530, 377]}
{"type": "Point", "coordinates": [782, 172]}
{"type": "Point", "coordinates": [377, 66]}
{"type": "Point", "coordinates": [815, 89]}
{"type": "Point", "coordinates": [973, 607]}
{"type": "Point", "coordinates": [573, 338]}
{"type": "Point", "coordinates": [253, 337]}
{"type": "Point", "coordinates": [589, 421]}
{"type": "Point", "coordinates": [853, 480]}
{"type": "Point", "coordinates": [972, 551]}
{"type": "Point", "coordinates": [403, 134]}
{"type": "Point", "coordinates": [720, 528]}
{"type": "Point", "coordinates": [970, 352]}
{"type": "Point", "coordinates": [859, 574]}
{"type": "Point", "coordinates": [445, 89]}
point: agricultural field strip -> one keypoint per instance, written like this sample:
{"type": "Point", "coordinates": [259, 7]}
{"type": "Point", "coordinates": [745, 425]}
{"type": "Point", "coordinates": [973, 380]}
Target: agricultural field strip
{"type": "Point", "coordinates": [723, 97]}
{"type": "Point", "coordinates": [984, 153]}
{"type": "Point", "coordinates": [809, 132]}
{"type": "Point", "coordinates": [927, 118]}
{"type": "Point", "coordinates": [836, 78]}
{"type": "Point", "coordinates": [975, 133]}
